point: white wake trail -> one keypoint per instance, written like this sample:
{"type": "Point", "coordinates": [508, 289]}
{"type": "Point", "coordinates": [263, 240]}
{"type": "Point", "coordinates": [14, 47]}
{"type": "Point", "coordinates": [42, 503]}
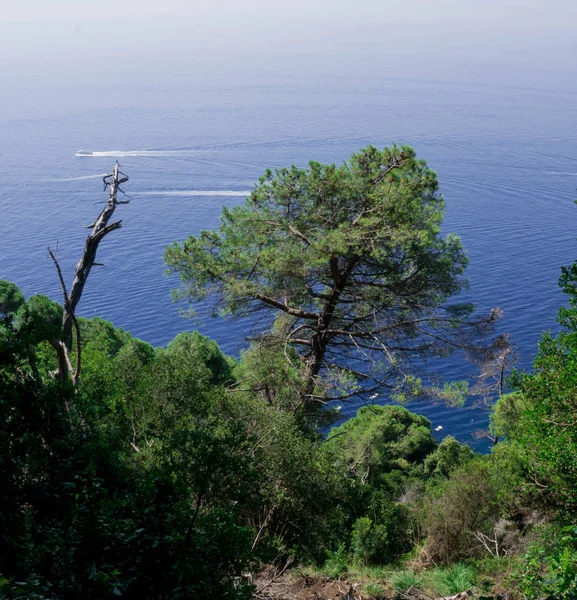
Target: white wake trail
{"type": "Point", "coordinates": [135, 153]}
{"type": "Point", "coordinates": [187, 193]}
{"type": "Point", "coordinates": [99, 176]}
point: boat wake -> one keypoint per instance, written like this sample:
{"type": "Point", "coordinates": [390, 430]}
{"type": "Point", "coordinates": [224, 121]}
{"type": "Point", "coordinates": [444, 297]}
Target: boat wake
{"type": "Point", "coordinates": [99, 176]}
{"type": "Point", "coordinates": [183, 151]}
{"type": "Point", "coordinates": [187, 193]}
{"type": "Point", "coordinates": [135, 153]}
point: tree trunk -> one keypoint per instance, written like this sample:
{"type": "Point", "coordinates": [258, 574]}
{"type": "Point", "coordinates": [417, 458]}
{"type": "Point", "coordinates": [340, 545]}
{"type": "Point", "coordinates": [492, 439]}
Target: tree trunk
{"type": "Point", "coordinates": [100, 228]}
{"type": "Point", "coordinates": [320, 338]}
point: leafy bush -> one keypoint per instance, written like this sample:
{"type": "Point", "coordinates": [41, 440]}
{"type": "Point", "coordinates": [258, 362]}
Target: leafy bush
{"type": "Point", "coordinates": [98, 501]}
{"type": "Point", "coordinates": [11, 298]}
{"type": "Point", "coordinates": [547, 423]}
{"type": "Point", "coordinates": [449, 455]}
{"type": "Point", "coordinates": [549, 569]}
{"type": "Point", "coordinates": [369, 540]}
{"type": "Point", "coordinates": [337, 561]}
{"type": "Point", "coordinates": [39, 319]}
{"type": "Point", "coordinates": [383, 538]}
{"type": "Point", "coordinates": [382, 440]}
{"type": "Point", "coordinates": [454, 510]}
{"type": "Point", "coordinates": [265, 370]}
{"type": "Point", "coordinates": [298, 496]}
{"type": "Point", "coordinates": [206, 352]}
{"type": "Point", "coordinates": [505, 415]}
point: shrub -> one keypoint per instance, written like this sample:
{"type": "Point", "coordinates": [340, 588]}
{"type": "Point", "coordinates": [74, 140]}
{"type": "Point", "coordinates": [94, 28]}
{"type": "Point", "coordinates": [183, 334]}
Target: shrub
{"type": "Point", "coordinates": [336, 564]}
{"type": "Point", "coordinates": [205, 351]}
{"type": "Point", "coordinates": [11, 297]}
{"type": "Point", "coordinates": [382, 539]}
{"type": "Point", "coordinates": [549, 569]}
{"type": "Point", "coordinates": [449, 455]}
{"type": "Point", "coordinates": [455, 509]}
{"type": "Point", "coordinates": [547, 422]}
{"type": "Point", "coordinates": [368, 540]}
{"type": "Point", "coordinates": [39, 319]}
{"type": "Point", "coordinates": [383, 444]}
{"type": "Point", "coordinates": [97, 504]}
{"type": "Point", "coordinates": [505, 415]}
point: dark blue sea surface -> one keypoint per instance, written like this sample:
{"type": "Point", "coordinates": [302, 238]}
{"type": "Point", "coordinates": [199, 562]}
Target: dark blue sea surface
{"type": "Point", "coordinates": [506, 160]}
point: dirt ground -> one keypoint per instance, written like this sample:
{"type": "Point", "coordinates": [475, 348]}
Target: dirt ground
{"type": "Point", "coordinates": [298, 587]}
{"type": "Point", "coordinates": [291, 586]}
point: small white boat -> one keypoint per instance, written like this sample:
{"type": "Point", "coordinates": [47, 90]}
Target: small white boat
{"type": "Point", "coordinates": [83, 153]}
{"type": "Point", "coordinates": [439, 428]}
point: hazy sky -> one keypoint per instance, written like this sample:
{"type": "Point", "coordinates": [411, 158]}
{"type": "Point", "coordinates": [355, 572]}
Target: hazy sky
{"type": "Point", "coordinates": [64, 39]}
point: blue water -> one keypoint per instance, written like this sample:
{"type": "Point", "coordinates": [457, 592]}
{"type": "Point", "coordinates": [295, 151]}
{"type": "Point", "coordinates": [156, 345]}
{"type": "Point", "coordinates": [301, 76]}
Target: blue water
{"type": "Point", "coordinates": [506, 160]}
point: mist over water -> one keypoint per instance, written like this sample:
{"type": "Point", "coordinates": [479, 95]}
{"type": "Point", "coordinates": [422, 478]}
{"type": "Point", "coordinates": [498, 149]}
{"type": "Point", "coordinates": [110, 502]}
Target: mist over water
{"type": "Point", "coordinates": [506, 158]}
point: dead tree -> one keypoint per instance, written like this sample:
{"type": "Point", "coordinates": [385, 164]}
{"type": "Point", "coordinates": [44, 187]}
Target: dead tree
{"type": "Point", "coordinates": [495, 363]}
{"type": "Point", "coordinates": [100, 228]}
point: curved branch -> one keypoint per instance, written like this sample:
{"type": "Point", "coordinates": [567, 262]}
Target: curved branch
{"type": "Point", "coordinates": [62, 346]}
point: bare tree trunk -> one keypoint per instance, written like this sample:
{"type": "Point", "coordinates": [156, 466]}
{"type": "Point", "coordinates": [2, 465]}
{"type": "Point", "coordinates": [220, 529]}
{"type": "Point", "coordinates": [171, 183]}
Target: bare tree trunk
{"type": "Point", "coordinates": [62, 352]}
{"type": "Point", "coordinates": [100, 228]}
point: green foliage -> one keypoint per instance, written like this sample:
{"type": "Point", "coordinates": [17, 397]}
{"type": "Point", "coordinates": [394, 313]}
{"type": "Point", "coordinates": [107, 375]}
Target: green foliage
{"type": "Point", "coordinates": [454, 579]}
{"type": "Point", "coordinates": [455, 509]}
{"type": "Point", "coordinates": [381, 441]}
{"type": "Point", "coordinates": [266, 372]}
{"type": "Point", "coordinates": [205, 351]}
{"type": "Point", "coordinates": [101, 378]}
{"type": "Point", "coordinates": [85, 511]}
{"type": "Point", "coordinates": [383, 541]}
{"type": "Point", "coordinates": [537, 462]}
{"type": "Point", "coordinates": [509, 470]}
{"type": "Point", "coordinates": [505, 415]}
{"type": "Point", "coordinates": [127, 542]}
{"type": "Point", "coordinates": [375, 590]}
{"type": "Point", "coordinates": [336, 564]}
{"type": "Point", "coordinates": [11, 298]}
{"type": "Point", "coordinates": [299, 494]}
{"type": "Point", "coordinates": [321, 202]}
{"type": "Point", "coordinates": [549, 569]}
{"type": "Point", "coordinates": [263, 368]}
{"type": "Point", "coordinates": [368, 540]}
{"type": "Point", "coordinates": [383, 530]}
{"type": "Point", "coordinates": [547, 425]}
{"type": "Point", "coordinates": [567, 316]}
{"type": "Point", "coordinates": [39, 319]}
{"type": "Point", "coordinates": [383, 449]}
{"type": "Point", "coordinates": [449, 455]}
{"type": "Point", "coordinates": [231, 451]}
{"type": "Point", "coordinates": [406, 580]}
{"type": "Point", "coordinates": [351, 256]}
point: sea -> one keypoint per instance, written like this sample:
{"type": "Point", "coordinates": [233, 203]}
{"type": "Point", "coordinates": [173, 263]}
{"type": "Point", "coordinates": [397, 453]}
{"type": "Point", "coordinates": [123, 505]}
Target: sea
{"type": "Point", "coordinates": [506, 158]}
